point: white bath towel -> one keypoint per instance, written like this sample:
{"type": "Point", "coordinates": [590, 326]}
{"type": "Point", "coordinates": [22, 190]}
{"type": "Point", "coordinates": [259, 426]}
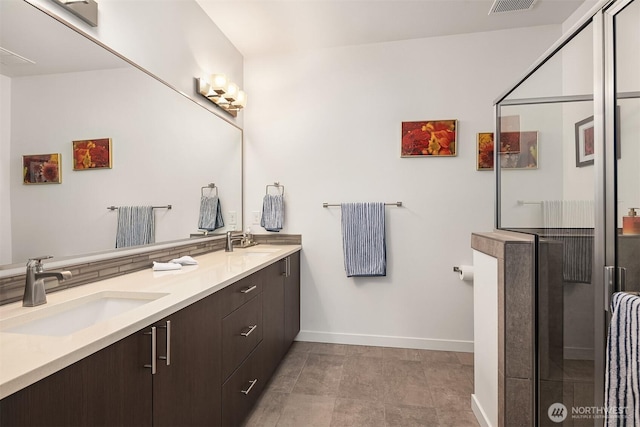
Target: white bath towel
{"type": "Point", "coordinates": [272, 212]}
{"type": "Point", "coordinates": [184, 260]}
{"type": "Point", "coordinates": [363, 239]}
{"type": "Point", "coordinates": [164, 266]}
{"type": "Point", "coordinates": [136, 226]}
{"type": "Point", "coordinates": [622, 375]}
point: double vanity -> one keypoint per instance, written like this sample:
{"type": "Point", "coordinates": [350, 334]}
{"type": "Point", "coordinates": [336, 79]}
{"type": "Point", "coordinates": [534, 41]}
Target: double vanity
{"type": "Point", "coordinates": [194, 346]}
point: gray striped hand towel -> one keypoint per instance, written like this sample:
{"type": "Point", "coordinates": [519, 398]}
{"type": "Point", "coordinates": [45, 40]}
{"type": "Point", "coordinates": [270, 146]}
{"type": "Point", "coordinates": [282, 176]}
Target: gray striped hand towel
{"type": "Point", "coordinates": [622, 376]}
{"type": "Point", "coordinates": [210, 213]}
{"type": "Point", "coordinates": [136, 226]}
{"type": "Point", "coordinates": [363, 239]}
{"type": "Point", "coordinates": [272, 212]}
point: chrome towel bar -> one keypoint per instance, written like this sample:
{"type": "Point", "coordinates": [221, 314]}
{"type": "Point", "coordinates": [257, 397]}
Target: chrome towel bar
{"type": "Point", "coordinates": [398, 204]}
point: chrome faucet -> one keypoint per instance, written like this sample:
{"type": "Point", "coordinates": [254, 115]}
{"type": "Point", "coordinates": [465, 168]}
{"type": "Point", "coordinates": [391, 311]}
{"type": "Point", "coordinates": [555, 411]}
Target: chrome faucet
{"type": "Point", "coordinates": [233, 237]}
{"type": "Point", "coordinates": [34, 292]}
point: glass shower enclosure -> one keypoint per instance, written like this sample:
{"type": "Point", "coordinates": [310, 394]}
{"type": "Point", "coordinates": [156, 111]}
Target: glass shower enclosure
{"type": "Point", "coordinates": [567, 161]}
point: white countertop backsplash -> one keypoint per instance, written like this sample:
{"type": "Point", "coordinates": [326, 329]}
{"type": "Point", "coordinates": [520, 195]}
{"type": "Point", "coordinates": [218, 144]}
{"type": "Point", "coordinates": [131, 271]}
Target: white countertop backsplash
{"type": "Point", "coordinates": [26, 359]}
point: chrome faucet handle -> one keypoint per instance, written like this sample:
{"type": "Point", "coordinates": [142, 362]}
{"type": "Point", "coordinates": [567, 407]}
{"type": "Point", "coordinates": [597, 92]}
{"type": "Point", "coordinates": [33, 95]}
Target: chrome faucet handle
{"type": "Point", "coordinates": [37, 262]}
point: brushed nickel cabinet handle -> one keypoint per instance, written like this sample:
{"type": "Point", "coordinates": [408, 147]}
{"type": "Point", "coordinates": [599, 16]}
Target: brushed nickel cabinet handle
{"type": "Point", "coordinates": [167, 358]}
{"type": "Point", "coordinates": [251, 329]}
{"type": "Point", "coordinates": [153, 350]}
{"type": "Point", "coordinates": [247, 290]}
{"type": "Point", "coordinates": [250, 387]}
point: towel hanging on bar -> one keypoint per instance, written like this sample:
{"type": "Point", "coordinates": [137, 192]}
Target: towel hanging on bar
{"type": "Point", "coordinates": [210, 213]}
{"type": "Point", "coordinates": [136, 226]}
{"type": "Point", "coordinates": [363, 239]}
{"type": "Point", "coordinates": [272, 212]}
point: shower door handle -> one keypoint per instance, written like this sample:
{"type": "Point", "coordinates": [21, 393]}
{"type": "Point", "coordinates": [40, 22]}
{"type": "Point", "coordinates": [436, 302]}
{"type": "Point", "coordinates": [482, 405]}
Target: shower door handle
{"type": "Point", "coordinates": [612, 285]}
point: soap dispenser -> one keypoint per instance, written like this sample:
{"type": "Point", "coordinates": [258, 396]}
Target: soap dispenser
{"type": "Point", "coordinates": [631, 222]}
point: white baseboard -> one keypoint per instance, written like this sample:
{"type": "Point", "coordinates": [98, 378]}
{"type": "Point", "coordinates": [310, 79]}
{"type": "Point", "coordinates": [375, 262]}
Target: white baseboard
{"type": "Point", "coordinates": [481, 416]}
{"type": "Point", "coordinates": [578, 353]}
{"type": "Point", "coordinates": [386, 341]}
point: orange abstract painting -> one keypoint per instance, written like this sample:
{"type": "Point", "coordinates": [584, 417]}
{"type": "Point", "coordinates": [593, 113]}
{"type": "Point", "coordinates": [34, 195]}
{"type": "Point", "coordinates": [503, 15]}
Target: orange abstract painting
{"type": "Point", "coordinates": [429, 138]}
{"type": "Point", "coordinates": [92, 154]}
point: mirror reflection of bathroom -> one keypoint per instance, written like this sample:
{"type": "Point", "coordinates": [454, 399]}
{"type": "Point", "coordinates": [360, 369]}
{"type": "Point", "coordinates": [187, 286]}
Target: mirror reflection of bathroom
{"type": "Point", "coordinates": [77, 90]}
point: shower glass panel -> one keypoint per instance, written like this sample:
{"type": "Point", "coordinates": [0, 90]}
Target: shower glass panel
{"type": "Point", "coordinates": [627, 94]}
{"type": "Point", "coordinates": [546, 186]}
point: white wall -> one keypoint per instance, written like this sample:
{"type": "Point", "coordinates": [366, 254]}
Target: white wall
{"type": "Point", "coordinates": [327, 125]}
{"type": "Point", "coordinates": [5, 136]}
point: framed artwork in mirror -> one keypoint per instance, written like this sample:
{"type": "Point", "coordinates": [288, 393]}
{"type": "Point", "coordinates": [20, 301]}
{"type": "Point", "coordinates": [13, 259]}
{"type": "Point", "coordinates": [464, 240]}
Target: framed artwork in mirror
{"type": "Point", "coordinates": [585, 140]}
{"type": "Point", "coordinates": [429, 138]}
{"type": "Point", "coordinates": [92, 154]}
{"type": "Point", "coordinates": [526, 142]}
{"type": "Point", "coordinates": [41, 169]}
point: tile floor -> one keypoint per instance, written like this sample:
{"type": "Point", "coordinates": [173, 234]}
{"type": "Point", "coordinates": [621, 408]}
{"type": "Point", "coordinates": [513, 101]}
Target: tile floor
{"type": "Point", "coordinates": [339, 385]}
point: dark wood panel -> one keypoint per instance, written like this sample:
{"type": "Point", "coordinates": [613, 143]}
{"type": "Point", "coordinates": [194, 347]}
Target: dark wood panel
{"type": "Point", "coordinates": [110, 387]}
{"type": "Point", "coordinates": [292, 301]}
{"type": "Point", "coordinates": [235, 346]}
{"type": "Point", "coordinates": [273, 314]}
{"type": "Point", "coordinates": [187, 391]}
{"type": "Point", "coordinates": [236, 294]}
{"type": "Point", "coordinates": [236, 401]}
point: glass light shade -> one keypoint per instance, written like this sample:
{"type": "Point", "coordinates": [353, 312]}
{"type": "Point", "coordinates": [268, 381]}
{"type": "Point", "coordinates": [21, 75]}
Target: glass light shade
{"type": "Point", "coordinates": [241, 100]}
{"type": "Point", "coordinates": [204, 88]}
{"type": "Point", "coordinates": [219, 83]}
{"type": "Point", "coordinates": [232, 92]}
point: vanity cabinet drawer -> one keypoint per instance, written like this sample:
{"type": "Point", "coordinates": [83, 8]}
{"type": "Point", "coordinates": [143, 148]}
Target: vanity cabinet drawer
{"type": "Point", "coordinates": [241, 391]}
{"type": "Point", "coordinates": [236, 294]}
{"type": "Point", "coordinates": [241, 333]}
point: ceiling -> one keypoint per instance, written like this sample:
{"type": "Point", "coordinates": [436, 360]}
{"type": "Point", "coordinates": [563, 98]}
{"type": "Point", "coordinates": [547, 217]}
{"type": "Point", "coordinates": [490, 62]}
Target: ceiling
{"type": "Point", "coordinates": [267, 27]}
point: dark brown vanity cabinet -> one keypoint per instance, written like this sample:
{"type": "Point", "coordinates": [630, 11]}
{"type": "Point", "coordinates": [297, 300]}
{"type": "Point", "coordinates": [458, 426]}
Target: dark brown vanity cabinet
{"type": "Point", "coordinates": [116, 386]}
{"type": "Point", "coordinates": [211, 359]}
{"type": "Point", "coordinates": [108, 388]}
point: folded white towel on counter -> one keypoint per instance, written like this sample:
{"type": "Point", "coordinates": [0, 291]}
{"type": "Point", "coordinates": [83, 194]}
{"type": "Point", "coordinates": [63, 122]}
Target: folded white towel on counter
{"type": "Point", "coordinates": [184, 260]}
{"type": "Point", "coordinates": [164, 266]}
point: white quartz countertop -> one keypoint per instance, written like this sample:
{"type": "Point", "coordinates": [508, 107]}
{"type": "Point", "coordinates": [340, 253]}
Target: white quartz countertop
{"type": "Point", "coordinates": [28, 358]}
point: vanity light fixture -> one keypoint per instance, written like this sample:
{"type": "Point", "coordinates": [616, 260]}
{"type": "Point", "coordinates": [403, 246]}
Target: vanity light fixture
{"type": "Point", "coordinates": [223, 93]}
{"type": "Point", "coordinates": [87, 10]}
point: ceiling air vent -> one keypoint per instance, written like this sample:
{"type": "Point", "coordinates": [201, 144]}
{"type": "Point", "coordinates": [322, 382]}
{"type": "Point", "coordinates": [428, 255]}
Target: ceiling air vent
{"type": "Point", "coordinates": [500, 6]}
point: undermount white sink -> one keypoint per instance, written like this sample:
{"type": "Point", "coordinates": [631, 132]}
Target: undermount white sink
{"type": "Point", "coordinates": [72, 316]}
{"type": "Point", "coordinates": [254, 252]}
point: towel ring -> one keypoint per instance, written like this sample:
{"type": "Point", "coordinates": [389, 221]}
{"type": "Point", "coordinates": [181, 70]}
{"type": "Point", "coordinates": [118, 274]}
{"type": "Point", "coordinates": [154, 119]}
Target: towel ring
{"type": "Point", "coordinates": [276, 185]}
{"type": "Point", "coordinates": [211, 186]}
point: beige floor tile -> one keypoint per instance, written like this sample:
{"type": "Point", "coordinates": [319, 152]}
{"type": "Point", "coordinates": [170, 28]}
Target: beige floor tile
{"type": "Point", "coordinates": [267, 411]}
{"type": "Point", "coordinates": [451, 398]}
{"type": "Point", "coordinates": [401, 353]}
{"type": "Point", "coordinates": [321, 375]}
{"type": "Point", "coordinates": [465, 358]}
{"type": "Point", "coordinates": [327, 348]}
{"type": "Point", "coordinates": [308, 411]}
{"type": "Point", "coordinates": [410, 416]}
{"type": "Point", "coordinates": [284, 379]}
{"type": "Point", "coordinates": [455, 418]}
{"type": "Point", "coordinates": [447, 374]}
{"type": "Point", "coordinates": [362, 379]}
{"type": "Point", "coordinates": [301, 346]}
{"type": "Point", "coordinates": [435, 356]}
{"type": "Point", "coordinates": [364, 351]}
{"type": "Point", "coordinates": [352, 413]}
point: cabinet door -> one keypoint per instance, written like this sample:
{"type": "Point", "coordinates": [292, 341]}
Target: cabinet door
{"type": "Point", "coordinates": [110, 387]}
{"type": "Point", "coordinates": [292, 300]}
{"type": "Point", "coordinates": [186, 389]}
{"type": "Point", "coordinates": [273, 345]}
